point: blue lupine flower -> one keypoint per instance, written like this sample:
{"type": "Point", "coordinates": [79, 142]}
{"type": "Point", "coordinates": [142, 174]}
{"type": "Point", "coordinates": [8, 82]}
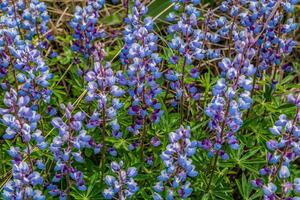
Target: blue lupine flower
{"type": "Point", "coordinates": [102, 88]}
{"type": "Point", "coordinates": [231, 95]}
{"type": "Point", "coordinates": [283, 149]}
{"type": "Point", "coordinates": [67, 147]}
{"type": "Point", "coordinates": [122, 184]}
{"type": "Point", "coordinates": [141, 60]}
{"type": "Point", "coordinates": [178, 165]}
{"type": "Point", "coordinates": [84, 27]}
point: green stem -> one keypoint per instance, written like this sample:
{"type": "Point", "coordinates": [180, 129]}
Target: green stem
{"type": "Point", "coordinates": [142, 141]}
{"type": "Point", "coordinates": [103, 157]}
{"type": "Point", "coordinates": [212, 172]}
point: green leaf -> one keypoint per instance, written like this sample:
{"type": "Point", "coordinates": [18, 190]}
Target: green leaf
{"type": "Point", "coordinates": [112, 19]}
{"type": "Point", "coordinates": [159, 8]}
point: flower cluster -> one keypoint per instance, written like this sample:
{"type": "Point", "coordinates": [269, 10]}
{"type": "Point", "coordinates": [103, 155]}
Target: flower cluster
{"type": "Point", "coordinates": [66, 148]}
{"type": "Point", "coordinates": [189, 44]}
{"type": "Point", "coordinates": [266, 21]}
{"type": "Point", "coordinates": [178, 163]}
{"type": "Point", "coordinates": [102, 88]}
{"type": "Point", "coordinates": [85, 28]}
{"type": "Point", "coordinates": [231, 95]}
{"type": "Point", "coordinates": [140, 57]}
{"type": "Point", "coordinates": [122, 185]}
{"type": "Point", "coordinates": [21, 120]}
{"type": "Point", "coordinates": [33, 74]}
{"type": "Point", "coordinates": [187, 39]}
{"type": "Point", "coordinates": [282, 150]}
{"type": "Point", "coordinates": [24, 178]}
{"type": "Point", "coordinates": [29, 19]}
{"type": "Point", "coordinates": [19, 25]}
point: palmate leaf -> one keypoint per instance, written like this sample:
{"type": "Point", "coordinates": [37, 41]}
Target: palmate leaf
{"type": "Point", "coordinates": [92, 193]}
{"type": "Point", "coordinates": [157, 6]}
{"type": "Point", "coordinates": [245, 188]}
{"type": "Point", "coordinates": [251, 160]}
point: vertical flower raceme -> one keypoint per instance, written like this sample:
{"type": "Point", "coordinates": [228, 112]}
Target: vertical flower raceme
{"type": "Point", "coordinates": [21, 122]}
{"type": "Point", "coordinates": [122, 184]}
{"type": "Point", "coordinates": [30, 18]}
{"type": "Point", "coordinates": [25, 182]}
{"type": "Point", "coordinates": [141, 61]}
{"type": "Point", "coordinates": [270, 25]}
{"type": "Point", "coordinates": [177, 159]}
{"type": "Point", "coordinates": [23, 29]}
{"type": "Point", "coordinates": [231, 96]}
{"type": "Point", "coordinates": [283, 149]}
{"type": "Point", "coordinates": [263, 26]}
{"type": "Point", "coordinates": [23, 34]}
{"type": "Point", "coordinates": [188, 44]}
{"type": "Point", "coordinates": [102, 88]}
{"type": "Point", "coordinates": [32, 74]}
{"type": "Point", "coordinates": [84, 25]}
{"type": "Point", "coordinates": [67, 148]}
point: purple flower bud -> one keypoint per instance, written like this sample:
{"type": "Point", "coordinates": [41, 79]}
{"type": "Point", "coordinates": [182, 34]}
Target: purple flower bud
{"type": "Point", "coordinates": [284, 172]}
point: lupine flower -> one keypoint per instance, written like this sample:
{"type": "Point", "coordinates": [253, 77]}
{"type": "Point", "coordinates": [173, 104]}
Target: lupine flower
{"type": "Point", "coordinates": [24, 180]}
{"type": "Point", "coordinates": [140, 57]}
{"type": "Point", "coordinates": [21, 120]}
{"type": "Point", "coordinates": [231, 95]}
{"type": "Point", "coordinates": [29, 19]}
{"type": "Point", "coordinates": [122, 184]}
{"type": "Point", "coordinates": [265, 20]}
{"type": "Point", "coordinates": [23, 34]}
{"type": "Point", "coordinates": [20, 23]}
{"type": "Point", "coordinates": [283, 149]}
{"type": "Point", "coordinates": [255, 39]}
{"type": "Point", "coordinates": [66, 148]}
{"type": "Point", "coordinates": [32, 73]}
{"type": "Point", "coordinates": [102, 88]}
{"type": "Point", "coordinates": [85, 29]}
{"type": "Point", "coordinates": [189, 44]}
{"type": "Point", "coordinates": [177, 160]}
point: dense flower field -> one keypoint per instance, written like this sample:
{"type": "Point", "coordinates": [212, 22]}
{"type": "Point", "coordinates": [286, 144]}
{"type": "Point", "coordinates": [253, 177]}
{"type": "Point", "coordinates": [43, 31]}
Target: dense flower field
{"type": "Point", "coordinates": [154, 99]}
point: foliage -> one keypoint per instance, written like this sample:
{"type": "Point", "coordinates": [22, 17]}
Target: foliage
{"type": "Point", "coordinates": [158, 99]}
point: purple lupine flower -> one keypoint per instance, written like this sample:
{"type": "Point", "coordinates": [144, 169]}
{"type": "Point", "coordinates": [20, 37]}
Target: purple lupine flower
{"type": "Point", "coordinates": [122, 184]}
{"type": "Point", "coordinates": [20, 118]}
{"type": "Point", "coordinates": [283, 149]}
{"type": "Point", "coordinates": [32, 74]}
{"type": "Point", "coordinates": [102, 88]}
{"type": "Point", "coordinates": [67, 147]}
{"type": "Point", "coordinates": [20, 23]}
{"type": "Point", "coordinates": [189, 44]}
{"type": "Point", "coordinates": [24, 178]}
{"type": "Point", "coordinates": [266, 21]}
{"type": "Point", "coordinates": [141, 61]}
{"type": "Point", "coordinates": [30, 18]}
{"type": "Point", "coordinates": [84, 27]}
{"type": "Point", "coordinates": [178, 163]}
{"type": "Point", "coordinates": [231, 96]}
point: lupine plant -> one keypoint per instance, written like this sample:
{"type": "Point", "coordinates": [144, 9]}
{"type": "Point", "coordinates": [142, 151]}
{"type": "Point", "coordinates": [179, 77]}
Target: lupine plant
{"type": "Point", "coordinates": [149, 99]}
{"type": "Point", "coordinates": [176, 158]}
{"type": "Point", "coordinates": [141, 64]}
{"type": "Point", "coordinates": [66, 149]}
{"type": "Point", "coordinates": [281, 153]}
{"type": "Point", "coordinates": [122, 184]}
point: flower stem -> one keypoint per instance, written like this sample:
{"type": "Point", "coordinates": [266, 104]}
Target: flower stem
{"type": "Point", "coordinates": [214, 166]}
{"type": "Point", "coordinates": [142, 140]}
{"type": "Point", "coordinates": [103, 157]}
